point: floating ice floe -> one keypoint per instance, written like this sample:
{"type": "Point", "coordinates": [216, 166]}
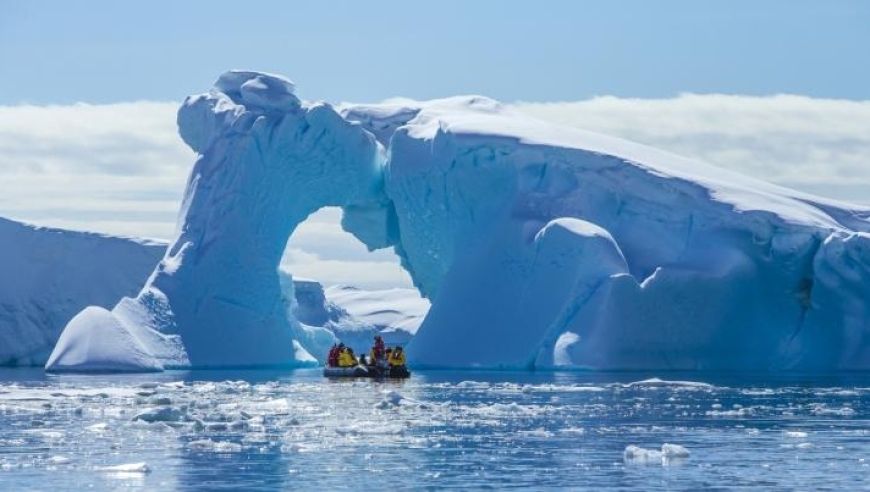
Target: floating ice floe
{"type": "Point", "coordinates": [207, 445]}
{"type": "Point", "coordinates": [391, 399]}
{"type": "Point", "coordinates": [669, 454]}
{"type": "Point", "coordinates": [162, 414]}
{"type": "Point", "coordinates": [126, 468]}
{"type": "Point", "coordinates": [101, 427]}
{"type": "Point", "coordinates": [820, 409]}
{"type": "Point", "coordinates": [656, 382]}
{"type": "Point", "coordinates": [58, 460]}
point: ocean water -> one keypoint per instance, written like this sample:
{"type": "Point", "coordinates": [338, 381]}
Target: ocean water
{"type": "Point", "coordinates": [295, 430]}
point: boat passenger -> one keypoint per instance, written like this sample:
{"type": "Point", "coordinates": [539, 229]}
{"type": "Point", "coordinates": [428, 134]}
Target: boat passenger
{"type": "Point", "coordinates": [397, 358]}
{"type": "Point", "coordinates": [378, 348]}
{"type": "Point", "coordinates": [332, 359]}
{"type": "Point", "coordinates": [378, 354]}
{"type": "Point", "coordinates": [346, 358]}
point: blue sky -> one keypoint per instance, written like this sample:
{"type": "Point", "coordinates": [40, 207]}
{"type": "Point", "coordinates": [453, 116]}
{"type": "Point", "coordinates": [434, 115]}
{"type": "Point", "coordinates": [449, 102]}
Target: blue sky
{"type": "Point", "coordinates": [59, 52]}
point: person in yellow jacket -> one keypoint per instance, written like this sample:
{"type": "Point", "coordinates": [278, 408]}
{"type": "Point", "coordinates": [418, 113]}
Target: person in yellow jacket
{"type": "Point", "coordinates": [346, 358]}
{"type": "Point", "coordinates": [397, 357]}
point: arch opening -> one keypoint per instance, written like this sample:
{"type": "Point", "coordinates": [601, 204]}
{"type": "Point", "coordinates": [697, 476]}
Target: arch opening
{"type": "Point", "coordinates": [336, 289]}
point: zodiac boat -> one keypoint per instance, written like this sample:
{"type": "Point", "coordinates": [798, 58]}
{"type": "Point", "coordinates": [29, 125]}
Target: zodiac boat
{"type": "Point", "coordinates": [361, 371]}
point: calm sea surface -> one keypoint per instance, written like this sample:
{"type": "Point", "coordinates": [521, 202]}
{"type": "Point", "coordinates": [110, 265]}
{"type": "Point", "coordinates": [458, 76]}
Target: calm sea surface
{"type": "Point", "coordinates": [295, 430]}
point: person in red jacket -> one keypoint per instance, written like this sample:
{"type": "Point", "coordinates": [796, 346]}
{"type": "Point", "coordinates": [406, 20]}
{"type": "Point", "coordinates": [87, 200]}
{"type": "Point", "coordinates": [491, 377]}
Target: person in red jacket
{"type": "Point", "coordinates": [332, 359]}
{"type": "Point", "coordinates": [378, 354]}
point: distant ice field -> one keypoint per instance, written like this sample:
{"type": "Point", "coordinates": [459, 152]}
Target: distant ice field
{"type": "Point", "coordinates": [267, 430]}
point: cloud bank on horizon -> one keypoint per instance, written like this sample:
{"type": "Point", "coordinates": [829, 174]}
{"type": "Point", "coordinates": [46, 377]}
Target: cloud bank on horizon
{"type": "Point", "coordinates": [121, 168]}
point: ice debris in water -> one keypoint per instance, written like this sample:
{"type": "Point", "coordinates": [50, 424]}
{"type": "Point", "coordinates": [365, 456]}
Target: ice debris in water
{"type": "Point", "coordinates": [638, 455]}
{"type": "Point", "coordinates": [59, 460]}
{"type": "Point", "coordinates": [394, 399]}
{"type": "Point", "coordinates": [207, 445]}
{"type": "Point", "coordinates": [162, 414]}
{"type": "Point", "coordinates": [391, 399]}
{"type": "Point", "coordinates": [821, 409]}
{"type": "Point", "coordinates": [674, 451]}
{"type": "Point", "coordinates": [127, 468]}
{"type": "Point", "coordinates": [101, 427]}
{"type": "Point", "coordinates": [656, 382]}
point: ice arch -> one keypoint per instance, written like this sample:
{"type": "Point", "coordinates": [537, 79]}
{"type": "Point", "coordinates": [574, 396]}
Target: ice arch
{"type": "Point", "coordinates": [321, 250]}
{"type": "Point", "coordinates": [266, 162]}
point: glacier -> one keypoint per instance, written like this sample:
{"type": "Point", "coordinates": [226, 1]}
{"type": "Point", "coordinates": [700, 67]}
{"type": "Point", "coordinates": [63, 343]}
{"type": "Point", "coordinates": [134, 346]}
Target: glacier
{"type": "Point", "coordinates": [539, 246]}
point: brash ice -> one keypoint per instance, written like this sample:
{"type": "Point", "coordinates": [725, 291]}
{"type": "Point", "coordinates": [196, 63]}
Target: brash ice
{"type": "Point", "coordinates": [539, 246]}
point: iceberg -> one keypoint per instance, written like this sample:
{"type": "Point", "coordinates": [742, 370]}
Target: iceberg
{"type": "Point", "coordinates": [396, 313]}
{"type": "Point", "coordinates": [49, 275]}
{"type": "Point", "coordinates": [539, 246]}
{"type": "Point", "coordinates": [353, 316]}
{"type": "Point", "coordinates": [547, 247]}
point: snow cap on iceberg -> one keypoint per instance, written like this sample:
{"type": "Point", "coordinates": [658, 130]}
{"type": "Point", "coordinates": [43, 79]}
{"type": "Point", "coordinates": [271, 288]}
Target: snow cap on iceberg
{"type": "Point", "coordinates": [258, 89]}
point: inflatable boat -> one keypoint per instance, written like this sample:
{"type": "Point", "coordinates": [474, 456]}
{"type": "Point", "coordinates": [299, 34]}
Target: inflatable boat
{"type": "Point", "coordinates": [361, 371]}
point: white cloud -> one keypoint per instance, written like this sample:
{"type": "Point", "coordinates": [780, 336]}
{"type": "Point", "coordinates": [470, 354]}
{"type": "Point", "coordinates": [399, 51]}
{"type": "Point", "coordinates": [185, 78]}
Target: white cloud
{"type": "Point", "coordinates": [114, 168]}
{"type": "Point", "coordinates": [121, 168]}
{"type": "Point", "coordinates": [368, 274]}
{"type": "Point", "coordinates": [820, 146]}
{"type": "Point", "coordinates": [321, 250]}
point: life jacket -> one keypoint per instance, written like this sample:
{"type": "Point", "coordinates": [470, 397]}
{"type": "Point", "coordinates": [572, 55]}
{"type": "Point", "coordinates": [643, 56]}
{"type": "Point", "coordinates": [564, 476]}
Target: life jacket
{"type": "Point", "coordinates": [397, 358]}
{"type": "Point", "coordinates": [332, 359]}
{"type": "Point", "coordinates": [346, 360]}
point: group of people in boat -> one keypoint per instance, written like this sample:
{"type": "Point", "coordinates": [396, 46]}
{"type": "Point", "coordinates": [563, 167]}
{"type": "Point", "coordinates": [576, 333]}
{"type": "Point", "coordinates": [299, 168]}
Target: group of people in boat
{"type": "Point", "coordinates": [380, 357]}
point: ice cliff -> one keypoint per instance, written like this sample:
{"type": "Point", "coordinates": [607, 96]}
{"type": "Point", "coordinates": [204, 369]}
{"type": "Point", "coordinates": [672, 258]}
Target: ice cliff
{"type": "Point", "coordinates": [539, 246]}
